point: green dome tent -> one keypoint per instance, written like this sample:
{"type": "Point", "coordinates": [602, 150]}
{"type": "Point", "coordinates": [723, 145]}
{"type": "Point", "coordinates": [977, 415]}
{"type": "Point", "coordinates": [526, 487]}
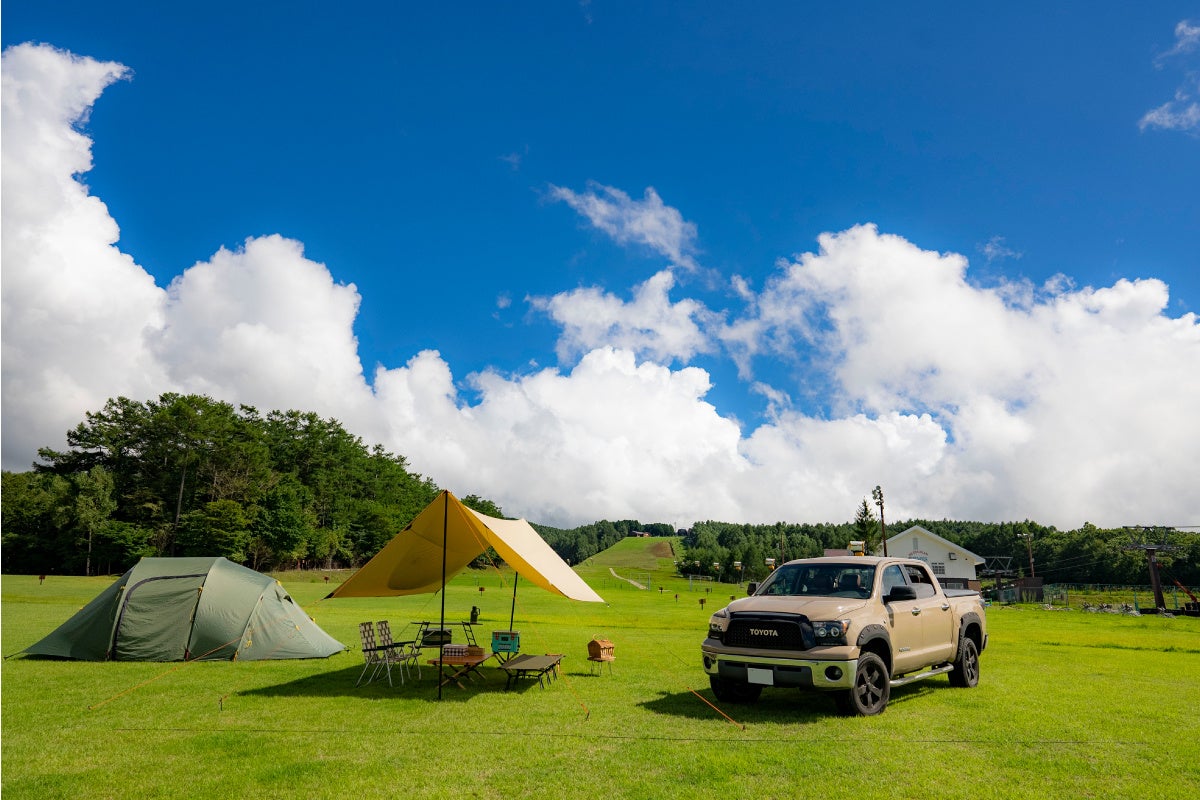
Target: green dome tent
{"type": "Point", "coordinates": [185, 609]}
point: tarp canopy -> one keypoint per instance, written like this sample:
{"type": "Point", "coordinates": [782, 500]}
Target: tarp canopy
{"type": "Point", "coordinates": [411, 563]}
{"type": "Point", "coordinates": [184, 609]}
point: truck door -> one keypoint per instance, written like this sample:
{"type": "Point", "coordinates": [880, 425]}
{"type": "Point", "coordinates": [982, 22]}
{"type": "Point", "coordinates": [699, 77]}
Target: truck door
{"type": "Point", "coordinates": [904, 624]}
{"type": "Point", "coordinates": [935, 614]}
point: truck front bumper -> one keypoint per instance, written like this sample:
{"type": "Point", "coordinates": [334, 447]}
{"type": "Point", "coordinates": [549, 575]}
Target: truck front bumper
{"type": "Point", "coordinates": [776, 670]}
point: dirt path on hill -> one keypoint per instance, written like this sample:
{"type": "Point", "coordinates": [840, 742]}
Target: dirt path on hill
{"type": "Point", "coordinates": [618, 577]}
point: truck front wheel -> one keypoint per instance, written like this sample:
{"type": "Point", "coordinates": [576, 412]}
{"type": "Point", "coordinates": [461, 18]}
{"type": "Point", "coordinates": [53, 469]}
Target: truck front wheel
{"type": "Point", "coordinates": [734, 691]}
{"type": "Point", "coordinates": [872, 688]}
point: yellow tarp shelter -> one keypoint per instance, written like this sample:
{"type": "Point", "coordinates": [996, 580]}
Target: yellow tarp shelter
{"type": "Point", "coordinates": [444, 539]}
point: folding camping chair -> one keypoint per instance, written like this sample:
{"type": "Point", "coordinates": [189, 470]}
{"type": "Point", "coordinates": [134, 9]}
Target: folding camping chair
{"type": "Point", "coordinates": [401, 653]}
{"type": "Point", "coordinates": [409, 654]}
{"type": "Point", "coordinates": [374, 656]}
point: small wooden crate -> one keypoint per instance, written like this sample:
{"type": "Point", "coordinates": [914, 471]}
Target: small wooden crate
{"type": "Point", "coordinates": [600, 650]}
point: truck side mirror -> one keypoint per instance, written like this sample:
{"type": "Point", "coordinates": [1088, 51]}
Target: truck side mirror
{"type": "Point", "coordinates": [751, 588]}
{"type": "Point", "coordinates": [901, 593]}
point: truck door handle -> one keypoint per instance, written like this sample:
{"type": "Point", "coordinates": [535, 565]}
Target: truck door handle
{"type": "Point", "coordinates": [916, 612]}
{"type": "Point", "coordinates": [945, 606]}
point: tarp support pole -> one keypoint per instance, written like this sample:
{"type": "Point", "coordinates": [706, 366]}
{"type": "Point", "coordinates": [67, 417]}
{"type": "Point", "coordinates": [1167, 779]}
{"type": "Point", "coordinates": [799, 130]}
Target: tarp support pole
{"type": "Point", "coordinates": [442, 624]}
{"type": "Point", "coordinates": [512, 615]}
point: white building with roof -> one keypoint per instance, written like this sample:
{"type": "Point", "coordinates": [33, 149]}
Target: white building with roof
{"type": "Point", "coordinates": [953, 564]}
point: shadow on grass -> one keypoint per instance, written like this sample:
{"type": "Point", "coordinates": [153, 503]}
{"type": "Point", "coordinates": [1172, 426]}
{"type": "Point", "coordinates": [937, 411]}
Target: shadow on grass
{"type": "Point", "coordinates": [789, 706]}
{"type": "Point", "coordinates": [341, 683]}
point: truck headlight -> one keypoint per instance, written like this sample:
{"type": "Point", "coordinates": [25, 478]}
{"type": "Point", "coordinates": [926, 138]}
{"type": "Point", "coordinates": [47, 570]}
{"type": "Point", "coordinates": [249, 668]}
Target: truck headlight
{"type": "Point", "coordinates": [717, 624]}
{"type": "Point", "coordinates": [831, 632]}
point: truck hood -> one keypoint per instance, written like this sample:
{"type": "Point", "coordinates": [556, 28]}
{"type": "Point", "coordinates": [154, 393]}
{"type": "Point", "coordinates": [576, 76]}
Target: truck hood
{"type": "Point", "coordinates": [811, 607]}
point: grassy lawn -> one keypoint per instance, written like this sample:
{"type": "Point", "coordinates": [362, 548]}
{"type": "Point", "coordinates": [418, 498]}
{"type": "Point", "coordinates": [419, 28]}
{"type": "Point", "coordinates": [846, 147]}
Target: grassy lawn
{"type": "Point", "coordinates": [1069, 705]}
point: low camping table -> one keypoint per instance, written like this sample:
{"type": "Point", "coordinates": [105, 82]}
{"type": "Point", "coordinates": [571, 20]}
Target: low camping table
{"type": "Point", "coordinates": [454, 668]}
{"type": "Point", "coordinates": [531, 667]}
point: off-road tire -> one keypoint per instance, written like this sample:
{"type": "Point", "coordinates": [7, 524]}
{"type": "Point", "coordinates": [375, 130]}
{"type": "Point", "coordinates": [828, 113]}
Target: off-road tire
{"type": "Point", "coordinates": [871, 690]}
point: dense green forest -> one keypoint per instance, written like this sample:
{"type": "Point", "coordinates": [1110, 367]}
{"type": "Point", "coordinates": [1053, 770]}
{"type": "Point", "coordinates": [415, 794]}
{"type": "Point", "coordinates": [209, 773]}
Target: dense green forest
{"type": "Point", "coordinates": [187, 475]}
{"type": "Point", "coordinates": [1088, 555]}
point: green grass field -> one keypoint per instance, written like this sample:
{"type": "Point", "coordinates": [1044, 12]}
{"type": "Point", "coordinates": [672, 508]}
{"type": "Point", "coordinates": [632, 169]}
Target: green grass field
{"type": "Point", "coordinates": [1069, 705]}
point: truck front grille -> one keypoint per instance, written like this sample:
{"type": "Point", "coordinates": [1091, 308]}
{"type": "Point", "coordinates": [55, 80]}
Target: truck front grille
{"type": "Point", "coordinates": [769, 632]}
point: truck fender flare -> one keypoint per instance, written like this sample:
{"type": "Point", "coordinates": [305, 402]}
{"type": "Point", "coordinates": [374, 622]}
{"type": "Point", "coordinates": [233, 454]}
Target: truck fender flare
{"type": "Point", "coordinates": [968, 620]}
{"type": "Point", "coordinates": [876, 633]}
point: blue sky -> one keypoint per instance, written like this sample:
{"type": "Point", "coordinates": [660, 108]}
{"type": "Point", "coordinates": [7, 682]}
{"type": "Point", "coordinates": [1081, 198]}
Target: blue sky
{"type": "Point", "coordinates": [759, 260]}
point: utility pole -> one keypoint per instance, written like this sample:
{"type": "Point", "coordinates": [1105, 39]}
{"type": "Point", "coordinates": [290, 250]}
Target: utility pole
{"type": "Point", "coordinates": [877, 493]}
{"type": "Point", "coordinates": [1028, 537]}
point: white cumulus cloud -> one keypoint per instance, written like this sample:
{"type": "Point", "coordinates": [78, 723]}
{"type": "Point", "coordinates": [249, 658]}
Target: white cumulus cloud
{"type": "Point", "coordinates": [1072, 405]}
{"type": "Point", "coordinates": [267, 323]}
{"type": "Point", "coordinates": [648, 221]}
{"type": "Point", "coordinates": [612, 438]}
{"type": "Point", "coordinates": [650, 325]}
{"type": "Point", "coordinates": [78, 315]}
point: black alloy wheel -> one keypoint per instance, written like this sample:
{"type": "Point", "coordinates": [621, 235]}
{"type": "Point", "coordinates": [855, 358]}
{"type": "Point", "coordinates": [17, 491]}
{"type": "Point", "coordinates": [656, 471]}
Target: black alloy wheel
{"type": "Point", "coordinates": [871, 690]}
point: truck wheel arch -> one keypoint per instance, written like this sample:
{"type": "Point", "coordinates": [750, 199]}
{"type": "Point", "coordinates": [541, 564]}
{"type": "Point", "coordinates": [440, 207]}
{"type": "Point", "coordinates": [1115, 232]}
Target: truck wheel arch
{"type": "Point", "coordinates": [875, 639]}
{"type": "Point", "coordinates": [970, 627]}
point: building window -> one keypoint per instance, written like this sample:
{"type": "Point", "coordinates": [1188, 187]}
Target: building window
{"type": "Point", "coordinates": [939, 568]}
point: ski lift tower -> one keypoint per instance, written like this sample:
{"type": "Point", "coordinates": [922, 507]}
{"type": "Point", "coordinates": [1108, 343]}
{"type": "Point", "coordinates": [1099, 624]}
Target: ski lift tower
{"type": "Point", "coordinates": [997, 568]}
{"type": "Point", "coordinates": [1141, 537]}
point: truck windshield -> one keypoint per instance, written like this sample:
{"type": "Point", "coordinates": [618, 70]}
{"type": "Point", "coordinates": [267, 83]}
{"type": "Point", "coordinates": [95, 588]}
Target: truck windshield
{"type": "Point", "coordinates": [820, 580]}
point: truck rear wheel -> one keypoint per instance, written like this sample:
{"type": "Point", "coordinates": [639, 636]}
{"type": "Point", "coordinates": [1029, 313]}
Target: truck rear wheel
{"type": "Point", "coordinates": [872, 688]}
{"type": "Point", "coordinates": [734, 691]}
{"type": "Point", "coordinates": [966, 666]}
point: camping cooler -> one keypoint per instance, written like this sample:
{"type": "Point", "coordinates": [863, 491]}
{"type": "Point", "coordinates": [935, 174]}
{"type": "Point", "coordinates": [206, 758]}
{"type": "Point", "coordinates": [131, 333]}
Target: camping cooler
{"type": "Point", "coordinates": [506, 641]}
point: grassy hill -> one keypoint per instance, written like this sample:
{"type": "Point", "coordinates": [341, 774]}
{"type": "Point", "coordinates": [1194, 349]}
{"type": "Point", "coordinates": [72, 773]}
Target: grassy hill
{"type": "Point", "coordinates": [646, 554]}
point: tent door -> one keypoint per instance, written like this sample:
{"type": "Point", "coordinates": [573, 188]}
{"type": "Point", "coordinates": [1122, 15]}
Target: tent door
{"type": "Point", "coordinates": [156, 619]}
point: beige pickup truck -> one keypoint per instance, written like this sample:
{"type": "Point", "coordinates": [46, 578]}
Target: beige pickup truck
{"type": "Point", "coordinates": [855, 627]}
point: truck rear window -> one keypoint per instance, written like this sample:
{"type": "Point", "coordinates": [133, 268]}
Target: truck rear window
{"type": "Point", "coordinates": [820, 580]}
